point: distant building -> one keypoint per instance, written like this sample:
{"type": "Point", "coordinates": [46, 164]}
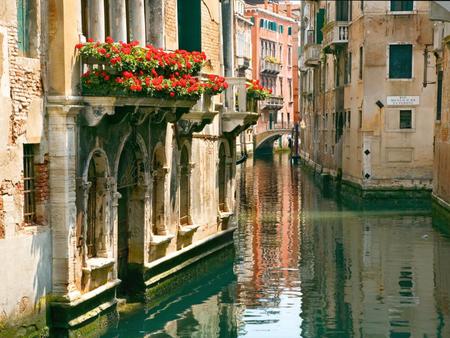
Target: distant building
{"type": "Point", "coordinates": [367, 117]}
{"type": "Point", "coordinates": [274, 64]}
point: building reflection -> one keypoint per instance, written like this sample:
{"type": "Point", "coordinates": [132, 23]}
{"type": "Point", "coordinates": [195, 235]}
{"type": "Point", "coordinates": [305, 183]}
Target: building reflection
{"type": "Point", "coordinates": [371, 273]}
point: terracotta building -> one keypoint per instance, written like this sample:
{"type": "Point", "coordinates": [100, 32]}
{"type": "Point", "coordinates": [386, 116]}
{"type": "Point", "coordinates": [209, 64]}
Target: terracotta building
{"type": "Point", "coordinates": [102, 194]}
{"type": "Point", "coordinates": [367, 88]}
{"type": "Point", "coordinates": [274, 64]}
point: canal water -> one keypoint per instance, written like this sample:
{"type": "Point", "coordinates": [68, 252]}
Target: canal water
{"type": "Point", "coordinates": [307, 265]}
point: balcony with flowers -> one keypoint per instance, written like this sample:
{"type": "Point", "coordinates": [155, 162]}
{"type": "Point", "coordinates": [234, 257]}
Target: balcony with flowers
{"type": "Point", "coordinates": [118, 74]}
{"type": "Point", "coordinates": [270, 65]}
{"type": "Point", "coordinates": [241, 104]}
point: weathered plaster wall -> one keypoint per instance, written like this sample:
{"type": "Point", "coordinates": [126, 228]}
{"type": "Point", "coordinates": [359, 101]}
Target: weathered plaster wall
{"type": "Point", "coordinates": [25, 249]}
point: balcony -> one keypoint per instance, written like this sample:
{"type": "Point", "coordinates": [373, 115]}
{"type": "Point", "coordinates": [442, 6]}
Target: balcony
{"type": "Point", "coordinates": [243, 62]}
{"type": "Point", "coordinates": [238, 114]}
{"type": "Point", "coordinates": [268, 67]}
{"type": "Point", "coordinates": [273, 102]}
{"type": "Point", "coordinates": [335, 33]}
{"type": "Point", "coordinates": [311, 55]}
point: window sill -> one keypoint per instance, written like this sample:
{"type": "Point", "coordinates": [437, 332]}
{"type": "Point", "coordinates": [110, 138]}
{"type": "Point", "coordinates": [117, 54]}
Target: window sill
{"type": "Point", "coordinates": [401, 80]}
{"type": "Point", "coordinates": [161, 239]}
{"type": "Point", "coordinates": [97, 263]}
{"type": "Point", "coordinates": [402, 12]}
{"type": "Point", "coordinates": [412, 130]}
{"type": "Point", "coordinates": [187, 229]}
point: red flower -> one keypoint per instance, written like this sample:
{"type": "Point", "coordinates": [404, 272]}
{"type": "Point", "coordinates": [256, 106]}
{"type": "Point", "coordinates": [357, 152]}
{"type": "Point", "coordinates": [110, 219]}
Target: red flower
{"type": "Point", "coordinates": [172, 94]}
{"type": "Point", "coordinates": [79, 45]}
{"type": "Point", "coordinates": [90, 40]}
{"type": "Point", "coordinates": [109, 39]}
{"type": "Point", "coordinates": [106, 77]}
{"type": "Point", "coordinates": [101, 51]}
{"type": "Point", "coordinates": [119, 80]}
{"type": "Point", "coordinates": [127, 74]}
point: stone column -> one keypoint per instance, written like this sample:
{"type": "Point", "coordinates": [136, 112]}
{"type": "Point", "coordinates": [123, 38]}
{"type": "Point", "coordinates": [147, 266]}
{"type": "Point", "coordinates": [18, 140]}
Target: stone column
{"type": "Point", "coordinates": [154, 22]}
{"type": "Point", "coordinates": [136, 20]}
{"type": "Point", "coordinates": [118, 20]}
{"type": "Point", "coordinates": [96, 22]}
{"type": "Point", "coordinates": [62, 159]}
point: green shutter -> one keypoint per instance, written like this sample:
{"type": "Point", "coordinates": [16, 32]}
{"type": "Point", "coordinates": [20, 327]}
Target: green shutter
{"type": "Point", "coordinates": [189, 25]}
{"type": "Point", "coordinates": [22, 22]}
{"type": "Point", "coordinates": [401, 6]}
{"type": "Point", "coordinates": [320, 16]}
{"type": "Point", "coordinates": [261, 23]}
{"type": "Point", "coordinates": [289, 30]}
{"type": "Point", "coordinates": [400, 61]}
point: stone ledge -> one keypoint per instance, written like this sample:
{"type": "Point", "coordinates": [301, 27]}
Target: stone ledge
{"type": "Point", "coordinates": [161, 239]}
{"type": "Point", "coordinates": [97, 263]}
{"type": "Point", "coordinates": [224, 214]}
{"type": "Point", "coordinates": [187, 229]}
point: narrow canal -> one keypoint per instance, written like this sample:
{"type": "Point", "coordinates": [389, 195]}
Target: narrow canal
{"type": "Point", "coordinates": [307, 265]}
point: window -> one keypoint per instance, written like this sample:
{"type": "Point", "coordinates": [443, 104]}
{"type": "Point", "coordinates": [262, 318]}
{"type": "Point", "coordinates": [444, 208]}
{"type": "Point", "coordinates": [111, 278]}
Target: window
{"type": "Point", "coordinates": [401, 6]}
{"type": "Point", "coordinates": [289, 55]}
{"type": "Point", "coordinates": [320, 16]}
{"type": "Point", "coordinates": [261, 23]}
{"type": "Point", "coordinates": [400, 61]}
{"type": "Point", "coordinates": [342, 10]}
{"type": "Point", "coordinates": [289, 30]}
{"type": "Point", "coordinates": [405, 119]}
{"type": "Point", "coordinates": [348, 69]}
{"type": "Point", "coordinates": [29, 206]}
{"type": "Point", "coordinates": [439, 95]}
{"type": "Point", "coordinates": [280, 28]}
{"type": "Point", "coordinates": [360, 119]}
{"type": "Point", "coordinates": [290, 89]}
{"type": "Point", "coordinates": [189, 23]}
{"type": "Point", "coordinates": [361, 55]}
{"type": "Point", "coordinates": [349, 119]}
{"type": "Point", "coordinates": [23, 26]}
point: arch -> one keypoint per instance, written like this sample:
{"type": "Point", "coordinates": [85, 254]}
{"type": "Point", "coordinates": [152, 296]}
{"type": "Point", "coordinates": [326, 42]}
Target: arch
{"type": "Point", "coordinates": [95, 176]}
{"type": "Point", "coordinates": [159, 171]}
{"type": "Point", "coordinates": [222, 177]}
{"type": "Point", "coordinates": [185, 186]}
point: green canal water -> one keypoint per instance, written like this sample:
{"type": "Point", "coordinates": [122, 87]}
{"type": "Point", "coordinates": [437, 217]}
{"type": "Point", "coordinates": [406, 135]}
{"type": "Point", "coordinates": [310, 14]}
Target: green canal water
{"type": "Point", "coordinates": [306, 264]}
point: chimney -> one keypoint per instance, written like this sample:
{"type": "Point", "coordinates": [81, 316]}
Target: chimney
{"type": "Point", "coordinates": [288, 10]}
{"type": "Point", "coordinates": [266, 3]}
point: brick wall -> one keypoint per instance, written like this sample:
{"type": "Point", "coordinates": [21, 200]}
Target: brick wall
{"type": "Point", "coordinates": [170, 24]}
{"type": "Point", "coordinates": [211, 35]}
{"type": "Point", "coordinates": [25, 84]}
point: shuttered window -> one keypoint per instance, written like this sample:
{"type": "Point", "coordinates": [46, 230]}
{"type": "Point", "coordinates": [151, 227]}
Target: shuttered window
{"type": "Point", "coordinates": [23, 28]}
{"type": "Point", "coordinates": [320, 16]}
{"type": "Point", "coordinates": [400, 61]}
{"type": "Point", "coordinates": [29, 206]}
{"type": "Point", "coordinates": [401, 6]}
{"type": "Point", "coordinates": [189, 25]}
{"type": "Point", "coordinates": [439, 95]}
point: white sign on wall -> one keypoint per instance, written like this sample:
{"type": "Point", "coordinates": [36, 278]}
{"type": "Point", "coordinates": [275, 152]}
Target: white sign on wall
{"type": "Point", "coordinates": [403, 100]}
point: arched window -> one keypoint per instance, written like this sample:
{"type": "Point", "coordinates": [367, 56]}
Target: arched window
{"type": "Point", "coordinates": [185, 188]}
{"type": "Point", "coordinates": [159, 178]}
{"type": "Point", "coordinates": [222, 179]}
{"type": "Point", "coordinates": [96, 207]}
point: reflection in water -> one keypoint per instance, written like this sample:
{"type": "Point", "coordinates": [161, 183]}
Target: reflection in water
{"type": "Point", "coordinates": [308, 266]}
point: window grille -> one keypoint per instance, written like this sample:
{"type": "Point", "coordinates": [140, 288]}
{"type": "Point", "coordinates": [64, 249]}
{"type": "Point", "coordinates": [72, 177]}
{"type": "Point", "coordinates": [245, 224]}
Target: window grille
{"type": "Point", "coordinates": [29, 210]}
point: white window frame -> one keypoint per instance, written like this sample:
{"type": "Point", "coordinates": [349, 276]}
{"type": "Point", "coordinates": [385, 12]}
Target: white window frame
{"type": "Point", "coordinates": [412, 60]}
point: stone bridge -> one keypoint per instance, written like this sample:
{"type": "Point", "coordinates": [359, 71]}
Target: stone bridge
{"type": "Point", "coordinates": [263, 141]}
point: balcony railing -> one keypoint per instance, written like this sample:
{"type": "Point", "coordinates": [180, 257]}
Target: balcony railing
{"type": "Point", "coordinates": [273, 102]}
{"type": "Point", "coordinates": [270, 67]}
{"type": "Point", "coordinates": [239, 113]}
{"type": "Point", "coordinates": [312, 55]}
{"type": "Point", "coordinates": [243, 62]}
{"type": "Point", "coordinates": [335, 32]}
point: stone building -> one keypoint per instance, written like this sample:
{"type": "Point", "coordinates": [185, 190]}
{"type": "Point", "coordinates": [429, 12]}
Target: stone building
{"type": "Point", "coordinates": [367, 87]}
{"type": "Point", "coordinates": [103, 194]}
{"type": "Point", "coordinates": [274, 64]}
{"type": "Point", "coordinates": [440, 14]}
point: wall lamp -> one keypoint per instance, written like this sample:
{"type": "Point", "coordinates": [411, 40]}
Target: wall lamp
{"type": "Point", "coordinates": [379, 104]}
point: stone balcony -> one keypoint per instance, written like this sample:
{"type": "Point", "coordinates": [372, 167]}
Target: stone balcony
{"type": "Point", "coordinates": [273, 102]}
{"type": "Point", "coordinates": [243, 62]}
{"type": "Point", "coordinates": [335, 33]}
{"type": "Point", "coordinates": [238, 113]}
{"type": "Point", "coordinates": [268, 67]}
{"type": "Point", "coordinates": [311, 55]}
